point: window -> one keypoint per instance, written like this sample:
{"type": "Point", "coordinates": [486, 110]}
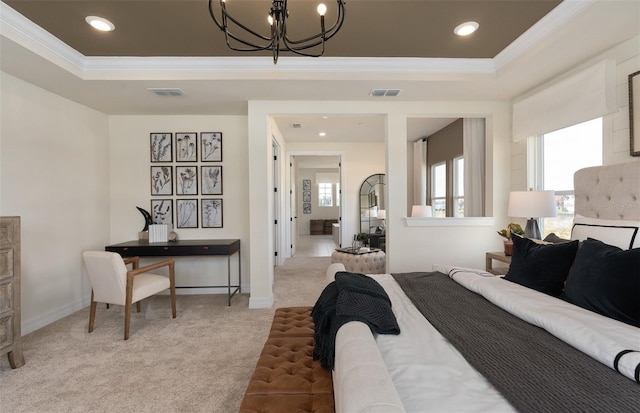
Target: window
{"type": "Point", "coordinates": [439, 189]}
{"type": "Point", "coordinates": [325, 195]}
{"type": "Point", "coordinates": [558, 155]}
{"type": "Point", "coordinates": [458, 187]}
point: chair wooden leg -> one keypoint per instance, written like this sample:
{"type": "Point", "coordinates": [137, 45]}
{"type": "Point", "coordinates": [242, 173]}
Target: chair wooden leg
{"type": "Point", "coordinates": [138, 306]}
{"type": "Point", "coordinates": [92, 313]}
{"type": "Point", "coordinates": [127, 307]}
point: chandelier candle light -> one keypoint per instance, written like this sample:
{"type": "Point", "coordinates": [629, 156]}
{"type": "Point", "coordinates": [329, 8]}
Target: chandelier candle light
{"type": "Point", "coordinates": [249, 40]}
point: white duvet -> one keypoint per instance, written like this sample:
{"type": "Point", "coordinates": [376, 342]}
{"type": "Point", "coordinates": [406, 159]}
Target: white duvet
{"type": "Point", "coordinates": [428, 373]}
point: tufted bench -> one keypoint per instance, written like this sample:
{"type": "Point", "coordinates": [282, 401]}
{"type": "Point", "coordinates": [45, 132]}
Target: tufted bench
{"type": "Point", "coordinates": [286, 378]}
{"type": "Point", "coordinates": [368, 263]}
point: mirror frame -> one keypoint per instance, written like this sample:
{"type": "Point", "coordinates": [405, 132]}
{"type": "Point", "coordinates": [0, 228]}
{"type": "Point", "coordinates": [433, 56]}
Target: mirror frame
{"type": "Point", "coordinates": [367, 195]}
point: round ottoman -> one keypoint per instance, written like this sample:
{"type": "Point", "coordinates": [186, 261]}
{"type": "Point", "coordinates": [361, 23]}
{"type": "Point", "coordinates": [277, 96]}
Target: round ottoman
{"type": "Point", "coordinates": [367, 263]}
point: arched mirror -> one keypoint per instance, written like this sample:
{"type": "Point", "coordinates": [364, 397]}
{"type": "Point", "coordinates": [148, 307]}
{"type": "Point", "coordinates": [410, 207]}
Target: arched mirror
{"type": "Point", "coordinates": [372, 204]}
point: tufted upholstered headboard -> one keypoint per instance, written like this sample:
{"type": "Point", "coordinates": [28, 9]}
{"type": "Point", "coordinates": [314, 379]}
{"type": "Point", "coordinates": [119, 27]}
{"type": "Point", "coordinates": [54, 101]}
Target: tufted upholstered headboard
{"type": "Point", "coordinates": [609, 192]}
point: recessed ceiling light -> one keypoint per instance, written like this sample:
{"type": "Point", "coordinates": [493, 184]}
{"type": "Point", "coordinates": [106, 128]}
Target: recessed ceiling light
{"type": "Point", "coordinates": [322, 134]}
{"type": "Point", "coordinates": [466, 28]}
{"type": "Point", "coordinates": [100, 23]}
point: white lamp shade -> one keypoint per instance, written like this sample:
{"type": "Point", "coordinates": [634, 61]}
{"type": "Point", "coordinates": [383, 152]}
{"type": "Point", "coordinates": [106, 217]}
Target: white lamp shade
{"type": "Point", "coordinates": [382, 214]}
{"type": "Point", "coordinates": [532, 204]}
{"type": "Point", "coordinates": [421, 211]}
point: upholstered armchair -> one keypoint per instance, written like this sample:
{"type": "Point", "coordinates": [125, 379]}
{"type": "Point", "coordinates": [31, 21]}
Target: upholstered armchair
{"type": "Point", "coordinates": [112, 283]}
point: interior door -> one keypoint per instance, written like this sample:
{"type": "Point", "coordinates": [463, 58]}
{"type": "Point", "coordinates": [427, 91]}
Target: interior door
{"type": "Point", "coordinates": [293, 208]}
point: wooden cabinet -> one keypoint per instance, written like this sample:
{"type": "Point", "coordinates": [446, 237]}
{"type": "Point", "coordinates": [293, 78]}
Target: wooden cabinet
{"type": "Point", "coordinates": [10, 333]}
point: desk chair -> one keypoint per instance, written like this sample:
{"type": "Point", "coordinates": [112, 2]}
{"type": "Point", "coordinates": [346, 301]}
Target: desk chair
{"type": "Point", "coordinates": [112, 283]}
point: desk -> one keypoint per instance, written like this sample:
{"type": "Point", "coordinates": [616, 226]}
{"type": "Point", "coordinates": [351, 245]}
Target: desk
{"type": "Point", "coordinates": [498, 256]}
{"type": "Point", "coordinates": [182, 248]}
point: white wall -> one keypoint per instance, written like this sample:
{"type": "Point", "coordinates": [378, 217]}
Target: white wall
{"type": "Point", "coordinates": [130, 187]}
{"type": "Point", "coordinates": [54, 173]}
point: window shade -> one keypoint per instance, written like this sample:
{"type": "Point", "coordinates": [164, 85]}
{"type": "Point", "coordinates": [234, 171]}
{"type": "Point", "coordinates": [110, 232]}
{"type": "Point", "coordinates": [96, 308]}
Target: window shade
{"type": "Point", "coordinates": [586, 95]}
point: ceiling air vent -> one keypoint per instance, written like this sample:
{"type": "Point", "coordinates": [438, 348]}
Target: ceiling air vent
{"type": "Point", "coordinates": [384, 92]}
{"type": "Point", "coordinates": [166, 91]}
{"type": "Point", "coordinates": [296, 125]}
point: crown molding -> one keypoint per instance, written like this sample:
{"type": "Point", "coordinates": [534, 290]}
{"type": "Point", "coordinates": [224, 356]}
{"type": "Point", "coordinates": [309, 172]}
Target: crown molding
{"type": "Point", "coordinates": [21, 30]}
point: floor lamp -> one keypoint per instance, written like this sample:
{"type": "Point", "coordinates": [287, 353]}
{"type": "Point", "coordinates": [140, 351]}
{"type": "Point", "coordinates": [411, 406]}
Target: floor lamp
{"type": "Point", "coordinates": [532, 205]}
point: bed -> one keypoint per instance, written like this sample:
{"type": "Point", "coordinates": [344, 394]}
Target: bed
{"type": "Point", "coordinates": [596, 357]}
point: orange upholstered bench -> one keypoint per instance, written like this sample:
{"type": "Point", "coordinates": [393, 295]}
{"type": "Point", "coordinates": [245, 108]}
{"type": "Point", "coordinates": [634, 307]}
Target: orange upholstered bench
{"type": "Point", "coordinates": [286, 378]}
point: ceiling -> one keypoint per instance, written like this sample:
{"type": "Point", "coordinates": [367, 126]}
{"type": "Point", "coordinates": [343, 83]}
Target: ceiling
{"type": "Point", "coordinates": [402, 44]}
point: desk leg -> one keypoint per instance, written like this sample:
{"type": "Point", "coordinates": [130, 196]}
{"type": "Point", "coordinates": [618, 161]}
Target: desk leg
{"type": "Point", "coordinates": [229, 278]}
{"type": "Point", "coordinates": [239, 272]}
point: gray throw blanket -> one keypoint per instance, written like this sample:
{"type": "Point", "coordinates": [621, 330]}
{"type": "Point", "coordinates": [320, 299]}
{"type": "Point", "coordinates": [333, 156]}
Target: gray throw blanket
{"type": "Point", "coordinates": [532, 369]}
{"type": "Point", "coordinates": [351, 297]}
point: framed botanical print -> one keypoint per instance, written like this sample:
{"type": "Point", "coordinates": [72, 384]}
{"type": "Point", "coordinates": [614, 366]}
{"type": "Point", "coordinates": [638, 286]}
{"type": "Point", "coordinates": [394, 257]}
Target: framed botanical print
{"type": "Point", "coordinates": [306, 208]}
{"type": "Point", "coordinates": [161, 147]}
{"type": "Point", "coordinates": [306, 184]}
{"type": "Point", "coordinates": [306, 196]}
{"type": "Point", "coordinates": [212, 213]}
{"type": "Point", "coordinates": [186, 147]}
{"type": "Point", "coordinates": [186, 180]}
{"type": "Point", "coordinates": [211, 146]}
{"type": "Point", "coordinates": [211, 177]}
{"type": "Point", "coordinates": [161, 180]}
{"type": "Point", "coordinates": [162, 211]}
{"type": "Point", "coordinates": [187, 213]}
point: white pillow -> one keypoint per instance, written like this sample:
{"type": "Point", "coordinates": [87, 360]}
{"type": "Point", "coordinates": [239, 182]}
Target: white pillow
{"type": "Point", "coordinates": [622, 234]}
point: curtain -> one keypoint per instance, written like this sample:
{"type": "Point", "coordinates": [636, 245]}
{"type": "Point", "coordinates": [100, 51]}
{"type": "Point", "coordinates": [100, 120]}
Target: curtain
{"type": "Point", "coordinates": [473, 136]}
{"type": "Point", "coordinates": [582, 96]}
{"type": "Point", "coordinates": [420, 172]}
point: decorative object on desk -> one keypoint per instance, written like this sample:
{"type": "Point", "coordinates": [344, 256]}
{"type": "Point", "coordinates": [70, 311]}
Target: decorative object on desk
{"type": "Point", "coordinates": [186, 147]}
{"type": "Point", "coordinates": [211, 180]}
{"type": "Point", "coordinates": [240, 37]}
{"type": "Point", "coordinates": [161, 147]}
{"type": "Point", "coordinates": [634, 113]}
{"type": "Point", "coordinates": [507, 233]}
{"type": "Point", "coordinates": [211, 143]}
{"type": "Point", "coordinates": [532, 205]}
{"type": "Point", "coordinates": [421, 211]}
{"type": "Point", "coordinates": [187, 213]}
{"type": "Point", "coordinates": [173, 236]}
{"type": "Point", "coordinates": [162, 211]}
{"type": "Point", "coordinates": [158, 233]}
{"type": "Point", "coordinates": [212, 213]}
{"type": "Point", "coordinates": [186, 180]}
{"type": "Point", "coordinates": [147, 218]}
{"type": "Point", "coordinates": [306, 208]}
{"type": "Point", "coordinates": [306, 184]}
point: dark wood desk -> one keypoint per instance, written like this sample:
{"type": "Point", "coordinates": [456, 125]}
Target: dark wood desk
{"type": "Point", "coordinates": [182, 248]}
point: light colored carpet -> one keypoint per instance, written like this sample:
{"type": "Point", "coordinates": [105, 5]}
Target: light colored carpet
{"type": "Point", "coordinates": [199, 362]}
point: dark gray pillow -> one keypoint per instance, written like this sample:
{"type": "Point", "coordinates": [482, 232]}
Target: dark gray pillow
{"type": "Point", "coordinates": [606, 279]}
{"type": "Point", "coordinates": [542, 267]}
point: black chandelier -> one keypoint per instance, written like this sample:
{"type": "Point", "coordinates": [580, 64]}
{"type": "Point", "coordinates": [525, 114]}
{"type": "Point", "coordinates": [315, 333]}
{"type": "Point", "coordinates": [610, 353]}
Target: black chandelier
{"type": "Point", "coordinates": [251, 41]}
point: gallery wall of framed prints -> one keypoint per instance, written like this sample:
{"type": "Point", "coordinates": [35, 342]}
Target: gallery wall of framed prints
{"type": "Point", "coordinates": [186, 173]}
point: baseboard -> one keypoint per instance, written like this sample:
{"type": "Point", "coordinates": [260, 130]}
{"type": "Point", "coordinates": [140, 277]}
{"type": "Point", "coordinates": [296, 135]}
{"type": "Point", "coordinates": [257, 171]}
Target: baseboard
{"type": "Point", "coordinates": [49, 317]}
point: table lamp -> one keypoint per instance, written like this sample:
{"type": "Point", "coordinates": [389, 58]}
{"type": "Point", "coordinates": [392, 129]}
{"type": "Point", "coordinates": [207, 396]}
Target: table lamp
{"type": "Point", "coordinates": [421, 211]}
{"type": "Point", "coordinates": [532, 205]}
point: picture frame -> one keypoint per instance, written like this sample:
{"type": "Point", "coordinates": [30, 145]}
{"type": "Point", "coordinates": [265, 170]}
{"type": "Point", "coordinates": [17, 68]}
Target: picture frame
{"type": "Point", "coordinates": [161, 180]}
{"type": "Point", "coordinates": [161, 149]}
{"type": "Point", "coordinates": [306, 208]}
{"type": "Point", "coordinates": [186, 147]}
{"type": "Point", "coordinates": [306, 184]}
{"type": "Point", "coordinates": [211, 146]}
{"type": "Point", "coordinates": [306, 196]}
{"type": "Point", "coordinates": [186, 180]}
{"type": "Point", "coordinates": [187, 213]}
{"type": "Point", "coordinates": [634, 114]}
{"type": "Point", "coordinates": [212, 213]}
{"type": "Point", "coordinates": [162, 211]}
{"type": "Point", "coordinates": [211, 178]}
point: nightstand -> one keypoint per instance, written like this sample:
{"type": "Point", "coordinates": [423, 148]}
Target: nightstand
{"type": "Point", "coordinates": [498, 256]}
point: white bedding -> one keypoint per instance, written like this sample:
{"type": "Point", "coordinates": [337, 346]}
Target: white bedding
{"type": "Point", "coordinates": [430, 375]}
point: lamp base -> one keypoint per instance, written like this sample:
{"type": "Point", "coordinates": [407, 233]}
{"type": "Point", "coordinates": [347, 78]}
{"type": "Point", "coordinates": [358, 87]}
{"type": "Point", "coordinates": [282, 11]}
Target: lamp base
{"type": "Point", "coordinates": [532, 230]}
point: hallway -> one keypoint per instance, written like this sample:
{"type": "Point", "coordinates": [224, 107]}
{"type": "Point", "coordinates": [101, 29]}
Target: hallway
{"type": "Point", "coordinates": [315, 246]}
